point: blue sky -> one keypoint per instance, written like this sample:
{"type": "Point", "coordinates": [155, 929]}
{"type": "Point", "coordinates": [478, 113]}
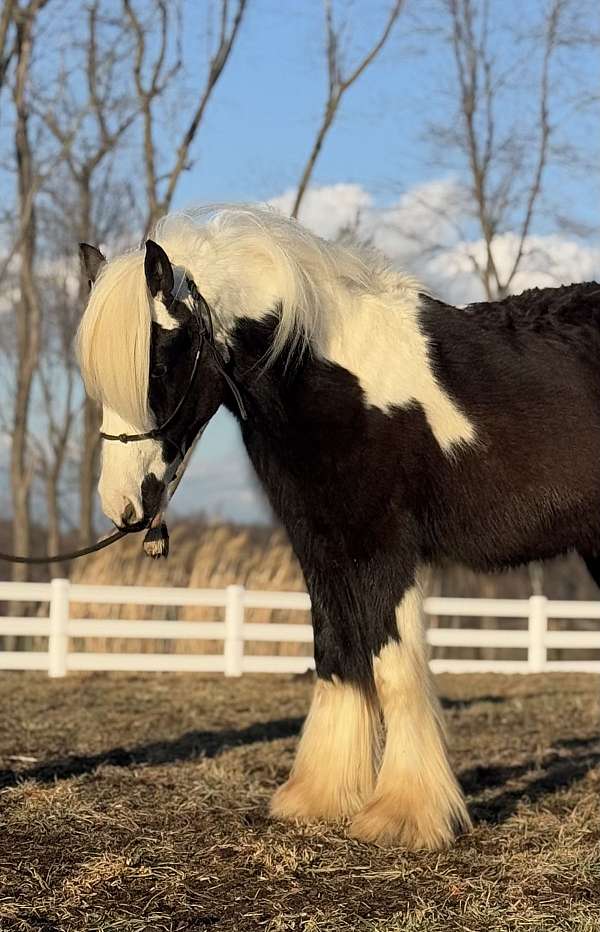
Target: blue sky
{"type": "Point", "coordinates": [261, 122]}
{"type": "Point", "coordinates": [259, 125]}
{"type": "Point", "coordinates": [258, 132]}
{"type": "Point", "coordinates": [380, 156]}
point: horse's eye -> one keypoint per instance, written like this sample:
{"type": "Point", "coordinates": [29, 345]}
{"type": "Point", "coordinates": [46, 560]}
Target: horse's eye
{"type": "Point", "coordinates": [158, 371]}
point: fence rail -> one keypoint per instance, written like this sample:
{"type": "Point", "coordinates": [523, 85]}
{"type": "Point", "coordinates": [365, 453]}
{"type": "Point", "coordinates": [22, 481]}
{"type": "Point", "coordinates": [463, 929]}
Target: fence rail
{"type": "Point", "coordinates": [234, 631]}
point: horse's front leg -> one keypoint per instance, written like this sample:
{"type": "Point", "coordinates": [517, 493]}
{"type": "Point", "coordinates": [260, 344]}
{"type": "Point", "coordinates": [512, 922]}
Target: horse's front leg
{"type": "Point", "coordinates": [335, 767]}
{"type": "Point", "coordinates": [417, 801]}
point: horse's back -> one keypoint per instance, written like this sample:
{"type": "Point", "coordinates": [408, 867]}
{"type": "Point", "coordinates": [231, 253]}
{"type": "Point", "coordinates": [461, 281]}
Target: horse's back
{"type": "Point", "coordinates": [561, 311]}
{"type": "Point", "coordinates": [529, 381]}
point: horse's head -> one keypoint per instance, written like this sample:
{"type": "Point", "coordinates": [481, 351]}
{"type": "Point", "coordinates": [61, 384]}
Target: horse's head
{"type": "Point", "coordinates": [146, 354]}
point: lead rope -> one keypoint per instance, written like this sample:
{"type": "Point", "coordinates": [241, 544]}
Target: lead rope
{"type": "Point", "coordinates": [72, 554]}
{"type": "Point", "coordinates": [156, 541]}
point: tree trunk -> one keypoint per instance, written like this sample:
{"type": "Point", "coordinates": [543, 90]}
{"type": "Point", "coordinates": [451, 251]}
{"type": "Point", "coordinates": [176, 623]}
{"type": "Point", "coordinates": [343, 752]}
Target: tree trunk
{"type": "Point", "coordinates": [28, 311]}
{"type": "Point", "coordinates": [53, 518]}
{"type": "Point", "coordinates": [90, 452]}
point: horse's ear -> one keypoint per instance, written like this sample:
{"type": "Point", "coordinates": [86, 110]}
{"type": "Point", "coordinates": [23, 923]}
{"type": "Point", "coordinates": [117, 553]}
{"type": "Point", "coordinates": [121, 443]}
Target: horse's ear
{"type": "Point", "coordinates": [159, 273]}
{"type": "Point", "coordinates": [92, 260]}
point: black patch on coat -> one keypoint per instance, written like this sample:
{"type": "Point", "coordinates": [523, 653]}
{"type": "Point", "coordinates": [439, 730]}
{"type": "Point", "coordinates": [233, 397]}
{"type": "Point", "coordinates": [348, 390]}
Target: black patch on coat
{"type": "Point", "coordinates": [152, 493]}
{"type": "Point", "coordinates": [172, 354]}
{"type": "Point", "coordinates": [526, 371]}
{"type": "Point", "coordinates": [366, 496]}
{"type": "Point", "coordinates": [311, 440]}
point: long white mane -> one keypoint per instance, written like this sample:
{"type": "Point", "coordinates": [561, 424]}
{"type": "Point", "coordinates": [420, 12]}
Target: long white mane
{"type": "Point", "coordinates": [246, 261]}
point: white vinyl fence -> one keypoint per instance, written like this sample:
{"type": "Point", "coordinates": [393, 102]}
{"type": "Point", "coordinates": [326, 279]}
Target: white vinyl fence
{"type": "Point", "coordinates": [233, 631]}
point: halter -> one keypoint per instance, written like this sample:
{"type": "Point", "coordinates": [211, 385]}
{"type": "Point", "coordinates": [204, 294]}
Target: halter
{"type": "Point", "coordinates": [205, 336]}
{"type": "Point", "coordinates": [203, 328]}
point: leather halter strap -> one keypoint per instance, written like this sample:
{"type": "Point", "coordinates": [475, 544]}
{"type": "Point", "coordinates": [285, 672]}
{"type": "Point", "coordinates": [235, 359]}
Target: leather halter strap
{"type": "Point", "coordinates": [205, 333]}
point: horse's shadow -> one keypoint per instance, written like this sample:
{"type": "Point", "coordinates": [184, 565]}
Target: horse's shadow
{"type": "Point", "coordinates": [189, 746]}
{"type": "Point", "coordinates": [557, 771]}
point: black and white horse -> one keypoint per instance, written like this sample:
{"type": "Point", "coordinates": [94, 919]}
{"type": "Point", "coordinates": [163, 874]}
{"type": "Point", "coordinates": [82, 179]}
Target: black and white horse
{"type": "Point", "coordinates": [390, 431]}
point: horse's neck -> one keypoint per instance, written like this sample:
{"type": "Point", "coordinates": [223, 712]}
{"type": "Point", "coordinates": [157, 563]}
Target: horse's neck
{"type": "Point", "coordinates": [298, 404]}
{"type": "Point", "coordinates": [376, 356]}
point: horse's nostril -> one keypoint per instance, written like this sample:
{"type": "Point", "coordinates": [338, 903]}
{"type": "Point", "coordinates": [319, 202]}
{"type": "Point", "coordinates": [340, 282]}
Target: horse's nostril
{"type": "Point", "coordinates": [128, 516]}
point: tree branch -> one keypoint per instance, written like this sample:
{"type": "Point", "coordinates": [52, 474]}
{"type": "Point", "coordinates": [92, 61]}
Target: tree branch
{"type": "Point", "coordinates": [337, 87]}
{"type": "Point", "coordinates": [535, 187]}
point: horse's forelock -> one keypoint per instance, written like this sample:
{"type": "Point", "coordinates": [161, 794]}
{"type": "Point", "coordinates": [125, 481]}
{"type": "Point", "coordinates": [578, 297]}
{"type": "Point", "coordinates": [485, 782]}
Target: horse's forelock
{"type": "Point", "coordinates": [113, 340]}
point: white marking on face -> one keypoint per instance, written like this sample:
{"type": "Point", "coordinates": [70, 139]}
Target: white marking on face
{"type": "Point", "coordinates": [160, 314]}
{"type": "Point", "coordinates": [385, 348]}
{"type": "Point", "coordinates": [162, 317]}
{"type": "Point", "coordinates": [125, 466]}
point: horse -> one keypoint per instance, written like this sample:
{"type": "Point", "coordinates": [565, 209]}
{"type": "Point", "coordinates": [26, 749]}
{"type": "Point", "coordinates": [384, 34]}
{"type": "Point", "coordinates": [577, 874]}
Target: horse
{"type": "Point", "coordinates": [391, 433]}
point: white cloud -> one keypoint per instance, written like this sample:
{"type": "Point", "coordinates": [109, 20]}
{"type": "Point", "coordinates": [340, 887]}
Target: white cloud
{"type": "Point", "coordinates": [424, 232]}
{"type": "Point", "coordinates": [424, 219]}
{"type": "Point", "coordinates": [327, 210]}
{"type": "Point", "coordinates": [547, 261]}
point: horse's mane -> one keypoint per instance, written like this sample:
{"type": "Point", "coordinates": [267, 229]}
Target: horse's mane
{"type": "Point", "coordinates": [242, 252]}
{"type": "Point", "coordinates": [246, 261]}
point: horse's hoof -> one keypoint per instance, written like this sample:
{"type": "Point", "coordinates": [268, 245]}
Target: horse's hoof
{"type": "Point", "coordinates": [387, 823]}
{"type": "Point", "coordinates": [294, 801]}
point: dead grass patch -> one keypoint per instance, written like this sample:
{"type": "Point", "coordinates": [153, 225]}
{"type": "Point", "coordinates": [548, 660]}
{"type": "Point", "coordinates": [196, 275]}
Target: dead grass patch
{"type": "Point", "coordinates": [139, 802]}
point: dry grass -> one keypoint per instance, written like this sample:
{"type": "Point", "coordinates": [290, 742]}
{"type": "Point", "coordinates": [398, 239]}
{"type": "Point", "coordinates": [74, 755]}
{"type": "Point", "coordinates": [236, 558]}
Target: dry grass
{"type": "Point", "coordinates": [216, 555]}
{"type": "Point", "coordinates": [202, 556]}
{"type": "Point", "coordinates": [139, 802]}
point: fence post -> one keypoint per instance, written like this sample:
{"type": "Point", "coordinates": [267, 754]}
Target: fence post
{"type": "Point", "coordinates": [538, 625]}
{"type": "Point", "coordinates": [58, 640]}
{"type": "Point", "coordinates": [234, 630]}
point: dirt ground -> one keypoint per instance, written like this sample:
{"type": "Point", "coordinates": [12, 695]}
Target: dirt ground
{"type": "Point", "coordinates": [139, 802]}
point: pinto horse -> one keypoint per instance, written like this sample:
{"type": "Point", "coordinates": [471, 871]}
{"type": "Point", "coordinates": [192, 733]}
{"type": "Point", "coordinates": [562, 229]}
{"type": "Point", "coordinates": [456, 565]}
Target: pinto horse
{"type": "Point", "coordinates": [390, 431]}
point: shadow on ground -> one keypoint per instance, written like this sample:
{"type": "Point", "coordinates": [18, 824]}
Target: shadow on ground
{"type": "Point", "coordinates": [568, 761]}
{"type": "Point", "coordinates": [562, 766]}
{"type": "Point", "coordinates": [191, 745]}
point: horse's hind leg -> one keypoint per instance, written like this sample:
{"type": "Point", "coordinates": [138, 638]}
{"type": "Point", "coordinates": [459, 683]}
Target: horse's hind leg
{"type": "Point", "coordinates": [333, 773]}
{"type": "Point", "coordinates": [417, 800]}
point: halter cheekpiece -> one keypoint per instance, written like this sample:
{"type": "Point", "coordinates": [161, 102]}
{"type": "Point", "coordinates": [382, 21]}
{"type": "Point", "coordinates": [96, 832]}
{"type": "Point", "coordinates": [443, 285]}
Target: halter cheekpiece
{"type": "Point", "coordinates": [205, 336]}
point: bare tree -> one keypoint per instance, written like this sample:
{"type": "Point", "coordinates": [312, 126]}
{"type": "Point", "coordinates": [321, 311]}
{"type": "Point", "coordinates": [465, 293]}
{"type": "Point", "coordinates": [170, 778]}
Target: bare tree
{"type": "Point", "coordinates": [83, 118]}
{"type": "Point", "coordinates": [6, 46]}
{"type": "Point", "coordinates": [505, 165]}
{"type": "Point", "coordinates": [61, 400]}
{"type": "Point", "coordinates": [89, 130]}
{"type": "Point", "coordinates": [153, 70]}
{"type": "Point", "coordinates": [113, 111]}
{"type": "Point", "coordinates": [29, 308]}
{"type": "Point", "coordinates": [338, 84]}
